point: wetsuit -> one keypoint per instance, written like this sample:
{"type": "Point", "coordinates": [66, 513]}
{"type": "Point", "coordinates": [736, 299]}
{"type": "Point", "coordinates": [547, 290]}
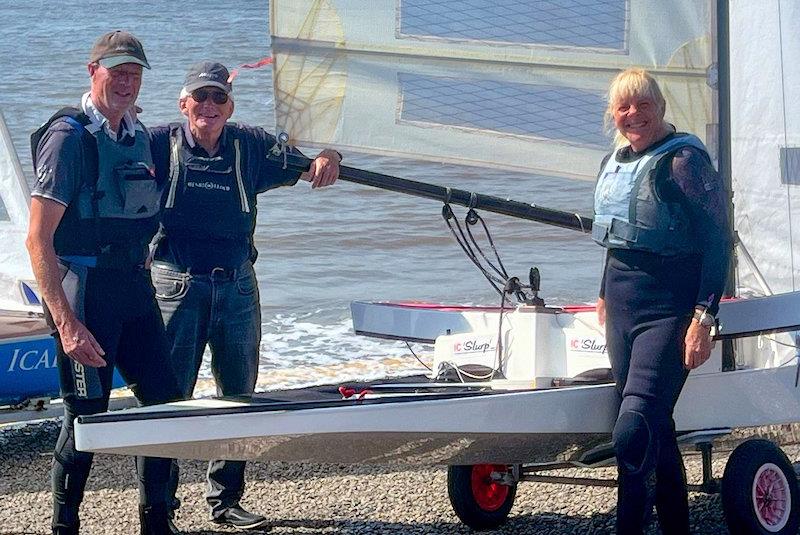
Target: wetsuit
{"type": "Point", "coordinates": [112, 203]}
{"type": "Point", "coordinates": [650, 297]}
{"type": "Point", "coordinates": [203, 267]}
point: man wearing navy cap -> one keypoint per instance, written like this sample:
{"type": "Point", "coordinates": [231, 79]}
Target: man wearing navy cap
{"type": "Point", "coordinates": [203, 258]}
{"type": "Point", "coordinates": [94, 208]}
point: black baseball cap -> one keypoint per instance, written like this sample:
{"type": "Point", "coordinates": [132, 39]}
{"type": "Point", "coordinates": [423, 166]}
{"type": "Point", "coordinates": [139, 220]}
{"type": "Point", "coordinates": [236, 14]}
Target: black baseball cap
{"type": "Point", "coordinates": [118, 47]}
{"type": "Point", "coordinates": [205, 74]}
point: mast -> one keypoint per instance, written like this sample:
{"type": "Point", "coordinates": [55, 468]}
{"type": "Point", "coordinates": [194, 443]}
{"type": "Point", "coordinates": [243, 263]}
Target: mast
{"type": "Point", "coordinates": [724, 121]}
{"type": "Point", "coordinates": [724, 149]}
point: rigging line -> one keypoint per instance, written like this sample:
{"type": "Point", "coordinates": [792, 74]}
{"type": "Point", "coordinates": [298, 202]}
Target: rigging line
{"type": "Point", "coordinates": [778, 342]}
{"type": "Point", "coordinates": [785, 163]}
{"type": "Point", "coordinates": [471, 253]}
{"type": "Point", "coordinates": [417, 357]}
{"type": "Point", "coordinates": [501, 271]}
{"type": "Point", "coordinates": [499, 345]}
{"type": "Point", "coordinates": [494, 281]}
{"type": "Point", "coordinates": [462, 373]}
{"type": "Point", "coordinates": [491, 243]}
{"type": "Point", "coordinates": [476, 217]}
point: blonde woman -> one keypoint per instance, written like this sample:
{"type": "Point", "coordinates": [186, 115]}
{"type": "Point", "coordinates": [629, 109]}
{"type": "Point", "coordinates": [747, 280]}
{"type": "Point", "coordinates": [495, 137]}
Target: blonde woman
{"type": "Point", "coordinates": [661, 212]}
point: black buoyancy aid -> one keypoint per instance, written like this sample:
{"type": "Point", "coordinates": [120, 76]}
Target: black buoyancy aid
{"type": "Point", "coordinates": [207, 197]}
{"type": "Point", "coordinates": [115, 213]}
{"type": "Point", "coordinates": [630, 214]}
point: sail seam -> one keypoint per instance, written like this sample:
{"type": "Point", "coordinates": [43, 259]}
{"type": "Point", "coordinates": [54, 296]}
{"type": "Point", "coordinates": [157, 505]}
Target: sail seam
{"type": "Point", "coordinates": [785, 161]}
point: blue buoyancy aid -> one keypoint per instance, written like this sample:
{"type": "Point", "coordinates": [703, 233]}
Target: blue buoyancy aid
{"type": "Point", "coordinates": [628, 211]}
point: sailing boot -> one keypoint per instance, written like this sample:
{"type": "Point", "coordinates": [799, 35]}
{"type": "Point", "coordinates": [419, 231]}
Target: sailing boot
{"type": "Point", "coordinates": [154, 520]}
{"type": "Point", "coordinates": [65, 519]}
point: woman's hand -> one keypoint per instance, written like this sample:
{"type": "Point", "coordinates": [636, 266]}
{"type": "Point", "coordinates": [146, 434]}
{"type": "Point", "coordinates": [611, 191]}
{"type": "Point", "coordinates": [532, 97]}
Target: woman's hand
{"type": "Point", "coordinates": [601, 311]}
{"type": "Point", "coordinates": [697, 345]}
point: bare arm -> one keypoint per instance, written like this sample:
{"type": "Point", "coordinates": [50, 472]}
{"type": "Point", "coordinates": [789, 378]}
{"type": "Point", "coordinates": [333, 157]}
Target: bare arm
{"type": "Point", "coordinates": [76, 339]}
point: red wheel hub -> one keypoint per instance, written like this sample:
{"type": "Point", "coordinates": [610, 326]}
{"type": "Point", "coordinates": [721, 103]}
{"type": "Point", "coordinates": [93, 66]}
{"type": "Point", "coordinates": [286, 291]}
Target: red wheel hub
{"type": "Point", "coordinates": [490, 495]}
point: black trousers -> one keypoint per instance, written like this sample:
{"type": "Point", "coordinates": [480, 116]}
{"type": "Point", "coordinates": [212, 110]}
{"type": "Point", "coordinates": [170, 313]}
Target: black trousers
{"type": "Point", "coordinates": [119, 309]}
{"type": "Point", "coordinates": [649, 302]}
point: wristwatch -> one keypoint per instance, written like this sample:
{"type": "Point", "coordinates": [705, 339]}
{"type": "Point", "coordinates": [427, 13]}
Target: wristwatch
{"type": "Point", "coordinates": [704, 317]}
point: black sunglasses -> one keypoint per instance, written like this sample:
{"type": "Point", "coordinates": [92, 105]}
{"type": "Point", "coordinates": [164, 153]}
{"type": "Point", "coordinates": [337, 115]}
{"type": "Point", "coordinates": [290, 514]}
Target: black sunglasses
{"type": "Point", "coordinates": [202, 94]}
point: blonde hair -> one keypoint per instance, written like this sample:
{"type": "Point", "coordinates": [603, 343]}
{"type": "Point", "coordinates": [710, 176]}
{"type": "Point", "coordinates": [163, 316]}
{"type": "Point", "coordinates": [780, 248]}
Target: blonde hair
{"type": "Point", "coordinates": [631, 82]}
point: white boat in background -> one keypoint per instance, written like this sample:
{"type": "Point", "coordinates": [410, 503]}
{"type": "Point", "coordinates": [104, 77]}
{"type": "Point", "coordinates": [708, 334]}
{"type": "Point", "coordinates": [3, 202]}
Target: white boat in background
{"type": "Point", "coordinates": [27, 354]}
{"type": "Point", "coordinates": [510, 393]}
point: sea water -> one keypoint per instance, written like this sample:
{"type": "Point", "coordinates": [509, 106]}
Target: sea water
{"type": "Point", "coordinates": [318, 249]}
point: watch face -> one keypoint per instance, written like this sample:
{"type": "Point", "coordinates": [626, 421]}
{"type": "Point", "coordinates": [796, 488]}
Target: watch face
{"type": "Point", "coordinates": [704, 318]}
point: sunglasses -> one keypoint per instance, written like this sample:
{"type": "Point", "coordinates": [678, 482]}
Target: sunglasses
{"type": "Point", "coordinates": [202, 94]}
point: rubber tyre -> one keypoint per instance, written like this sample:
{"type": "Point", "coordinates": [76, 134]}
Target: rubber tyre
{"type": "Point", "coordinates": [759, 490]}
{"type": "Point", "coordinates": [478, 502]}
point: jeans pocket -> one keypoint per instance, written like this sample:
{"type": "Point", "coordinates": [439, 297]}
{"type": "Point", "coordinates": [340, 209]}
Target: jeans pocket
{"type": "Point", "coordinates": [246, 285]}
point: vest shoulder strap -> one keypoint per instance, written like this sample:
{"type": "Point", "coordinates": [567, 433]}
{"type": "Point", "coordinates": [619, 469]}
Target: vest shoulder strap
{"type": "Point", "coordinates": [78, 120]}
{"type": "Point", "coordinates": [75, 117]}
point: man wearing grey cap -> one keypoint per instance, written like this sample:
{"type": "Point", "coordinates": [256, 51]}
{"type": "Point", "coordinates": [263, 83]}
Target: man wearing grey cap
{"type": "Point", "coordinates": [93, 210]}
{"type": "Point", "coordinates": [204, 254]}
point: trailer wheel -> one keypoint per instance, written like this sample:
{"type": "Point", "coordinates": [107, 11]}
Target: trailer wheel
{"type": "Point", "coordinates": [759, 490]}
{"type": "Point", "coordinates": [478, 500]}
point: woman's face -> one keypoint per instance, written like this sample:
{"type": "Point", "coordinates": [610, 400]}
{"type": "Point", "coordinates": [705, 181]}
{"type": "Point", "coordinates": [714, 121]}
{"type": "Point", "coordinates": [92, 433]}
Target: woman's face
{"type": "Point", "coordinates": [640, 120]}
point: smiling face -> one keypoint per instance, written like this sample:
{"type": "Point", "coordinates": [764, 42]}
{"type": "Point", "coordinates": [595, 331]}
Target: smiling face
{"type": "Point", "coordinates": [636, 108]}
{"type": "Point", "coordinates": [206, 118]}
{"type": "Point", "coordinates": [640, 120]}
{"type": "Point", "coordinates": [115, 90]}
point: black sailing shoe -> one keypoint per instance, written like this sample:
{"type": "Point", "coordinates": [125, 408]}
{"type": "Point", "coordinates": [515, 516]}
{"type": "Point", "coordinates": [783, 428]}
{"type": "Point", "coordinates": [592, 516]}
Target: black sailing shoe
{"type": "Point", "coordinates": [155, 520]}
{"type": "Point", "coordinates": [238, 518]}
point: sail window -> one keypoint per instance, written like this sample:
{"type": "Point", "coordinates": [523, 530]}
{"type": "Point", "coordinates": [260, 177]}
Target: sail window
{"type": "Point", "coordinates": [563, 23]}
{"type": "Point", "coordinates": [566, 114]}
{"type": "Point", "coordinates": [790, 165]}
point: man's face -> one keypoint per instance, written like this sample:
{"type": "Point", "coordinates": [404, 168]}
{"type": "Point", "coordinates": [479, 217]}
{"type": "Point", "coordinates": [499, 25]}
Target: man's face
{"type": "Point", "coordinates": [205, 110]}
{"type": "Point", "coordinates": [115, 90]}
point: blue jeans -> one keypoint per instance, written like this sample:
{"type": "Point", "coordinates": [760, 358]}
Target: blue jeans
{"type": "Point", "coordinates": [221, 310]}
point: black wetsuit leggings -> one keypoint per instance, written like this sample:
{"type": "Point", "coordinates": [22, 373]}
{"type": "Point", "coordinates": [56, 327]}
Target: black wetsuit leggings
{"type": "Point", "coordinates": [649, 300]}
{"type": "Point", "coordinates": [119, 309]}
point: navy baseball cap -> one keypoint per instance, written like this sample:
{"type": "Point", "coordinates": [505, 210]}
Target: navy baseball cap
{"type": "Point", "coordinates": [208, 73]}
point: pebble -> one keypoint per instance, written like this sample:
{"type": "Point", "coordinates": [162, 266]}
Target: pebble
{"type": "Point", "coordinates": [314, 499]}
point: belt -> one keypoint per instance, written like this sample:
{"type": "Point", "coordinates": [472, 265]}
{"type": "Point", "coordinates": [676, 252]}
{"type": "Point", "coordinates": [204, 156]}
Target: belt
{"type": "Point", "coordinates": [217, 273]}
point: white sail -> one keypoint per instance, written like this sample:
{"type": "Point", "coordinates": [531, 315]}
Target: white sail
{"type": "Point", "coordinates": [765, 141]}
{"type": "Point", "coordinates": [513, 83]}
{"type": "Point", "coordinates": [15, 267]}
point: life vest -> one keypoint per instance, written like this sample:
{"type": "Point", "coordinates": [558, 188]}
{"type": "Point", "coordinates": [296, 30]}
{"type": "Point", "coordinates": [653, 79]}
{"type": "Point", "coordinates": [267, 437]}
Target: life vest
{"type": "Point", "coordinates": [115, 213]}
{"type": "Point", "coordinates": [206, 197]}
{"type": "Point", "coordinates": [628, 212]}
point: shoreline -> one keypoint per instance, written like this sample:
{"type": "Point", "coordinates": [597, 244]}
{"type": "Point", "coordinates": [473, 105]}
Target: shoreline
{"type": "Point", "coordinates": [311, 499]}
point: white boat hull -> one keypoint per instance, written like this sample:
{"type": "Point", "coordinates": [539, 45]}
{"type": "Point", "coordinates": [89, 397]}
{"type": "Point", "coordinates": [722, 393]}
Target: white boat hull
{"type": "Point", "coordinates": [510, 427]}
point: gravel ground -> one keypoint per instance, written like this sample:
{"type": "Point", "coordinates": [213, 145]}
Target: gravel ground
{"type": "Point", "coordinates": [310, 499]}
